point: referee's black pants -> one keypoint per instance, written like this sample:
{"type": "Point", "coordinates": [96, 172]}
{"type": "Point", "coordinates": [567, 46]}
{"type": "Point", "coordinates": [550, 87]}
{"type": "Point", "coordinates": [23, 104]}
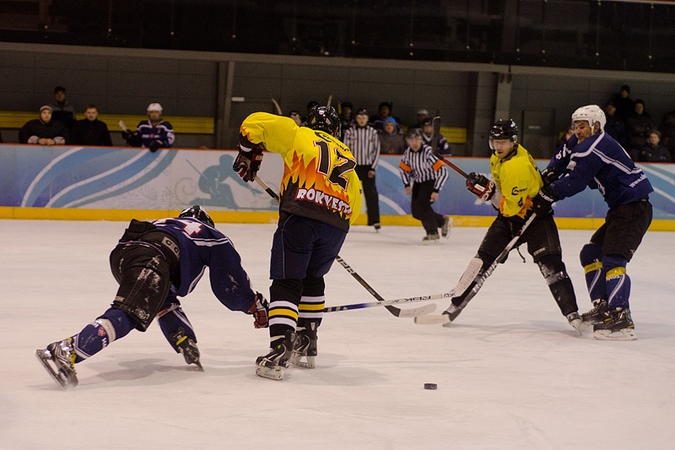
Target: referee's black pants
{"type": "Point", "coordinates": [420, 206]}
{"type": "Point", "coordinates": [370, 192]}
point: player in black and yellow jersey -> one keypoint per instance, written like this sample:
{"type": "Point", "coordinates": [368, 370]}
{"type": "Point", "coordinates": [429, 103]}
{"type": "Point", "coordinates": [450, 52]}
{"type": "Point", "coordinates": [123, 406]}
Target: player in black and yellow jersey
{"type": "Point", "coordinates": [516, 182]}
{"type": "Point", "coordinates": [320, 198]}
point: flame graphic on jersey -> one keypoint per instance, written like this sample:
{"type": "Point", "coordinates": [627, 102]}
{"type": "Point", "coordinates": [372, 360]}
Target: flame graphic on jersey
{"type": "Point", "coordinates": [305, 175]}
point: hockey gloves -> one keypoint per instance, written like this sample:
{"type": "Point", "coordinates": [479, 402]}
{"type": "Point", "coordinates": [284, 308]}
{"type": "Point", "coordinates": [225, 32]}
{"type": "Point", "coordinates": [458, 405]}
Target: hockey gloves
{"type": "Point", "coordinates": [259, 311]}
{"type": "Point", "coordinates": [549, 175]}
{"type": "Point", "coordinates": [480, 186]}
{"type": "Point", "coordinates": [155, 145]}
{"type": "Point", "coordinates": [126, 135]}
{"type": "Point", "coordinates": [248, 162]}
{"type": "Point", "coordinates": [541, 203]}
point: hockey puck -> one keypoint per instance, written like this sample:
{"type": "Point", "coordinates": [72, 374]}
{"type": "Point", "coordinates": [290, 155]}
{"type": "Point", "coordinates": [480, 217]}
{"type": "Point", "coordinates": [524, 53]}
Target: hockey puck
{"type": "Point", "coordinates": [430, 386]}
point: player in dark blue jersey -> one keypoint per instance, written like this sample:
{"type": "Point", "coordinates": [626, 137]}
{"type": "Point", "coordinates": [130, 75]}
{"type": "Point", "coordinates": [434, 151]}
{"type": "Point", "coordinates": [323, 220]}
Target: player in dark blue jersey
{"type": "Point", "coordinates": [593, 158]}
{"type": "Point", "coordinates": [154, 264]}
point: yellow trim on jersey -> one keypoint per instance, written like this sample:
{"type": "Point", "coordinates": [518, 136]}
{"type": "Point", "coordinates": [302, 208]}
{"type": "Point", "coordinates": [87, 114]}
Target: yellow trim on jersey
{"type": "Point", "coordinates": [311, 306]}
{"type": "Point", "coordinates": [592, 267]}
{"type": "Point", "coordinates": [615, 272]}
{"type": "Point", "coordinates": [518, 179]}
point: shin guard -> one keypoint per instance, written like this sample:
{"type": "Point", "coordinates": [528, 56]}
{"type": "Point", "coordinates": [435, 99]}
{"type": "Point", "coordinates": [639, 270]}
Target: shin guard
{"type": "Point", "coordinates": [591, 260]}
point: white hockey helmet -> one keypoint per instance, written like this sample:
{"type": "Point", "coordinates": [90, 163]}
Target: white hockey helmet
{"type": "Point", "coordinates": [154, 107]}
{"type": "Point", "coordinates": [590, 114]}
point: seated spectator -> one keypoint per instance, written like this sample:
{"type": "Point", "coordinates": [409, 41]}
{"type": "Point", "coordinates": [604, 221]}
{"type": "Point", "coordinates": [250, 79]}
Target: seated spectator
{"type": "Point", "coordinates": [62, 110]}
{"type": "Point", "coordinates": [653, 150]}
{"type": "Point", "coordinates": [615, 126]}
{"type": "Point", "coordinates": [90, 130]}
{"type": "Point", "coordinates": [638, 127]}
{"type": "Point", "coordinates": [391, 141]}
{"type": "Point", "coordinates": [427, 137]}
{"type": "Point", "coordinates": [384, 111]}
{"type": "Point", "coordinates": [153, 133]}
{"type": "Point", "coordinates": [346, 117]}
{"type": "Point", "coordinates": [624, 104]}
{"type": "Point", "coordinates": [43, 131]}
{"type": "Point", "coordinates": [422, 114]}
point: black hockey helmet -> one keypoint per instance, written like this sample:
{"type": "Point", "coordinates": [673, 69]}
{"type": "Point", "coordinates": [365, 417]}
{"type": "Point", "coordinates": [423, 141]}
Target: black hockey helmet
{"type": "Point", "coordinates": [324, 118]}
{"type": "Point", "coordinates": [198, 213]}
{"type": "Point", "coordinates": [504, 129]}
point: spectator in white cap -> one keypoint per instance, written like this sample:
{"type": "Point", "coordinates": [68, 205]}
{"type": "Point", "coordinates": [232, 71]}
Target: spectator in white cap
{"type": "Point", "coordinates": [153, 133]}
{"type": "Point", "coordinates": [43, 131]}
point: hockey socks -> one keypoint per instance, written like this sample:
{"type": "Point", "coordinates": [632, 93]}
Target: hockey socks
{"type": "Point", "coordinates": [171, 320]}
{"type": "Point", "coordinates": [113, 324]}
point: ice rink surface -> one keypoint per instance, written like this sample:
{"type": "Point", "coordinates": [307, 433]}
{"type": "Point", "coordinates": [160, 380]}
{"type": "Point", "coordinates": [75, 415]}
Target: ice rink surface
{"type": "Point", "coordinates": [511, 373]}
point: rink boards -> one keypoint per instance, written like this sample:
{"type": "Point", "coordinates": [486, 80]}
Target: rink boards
{"type": "Point", "coordinates": [114, 183]}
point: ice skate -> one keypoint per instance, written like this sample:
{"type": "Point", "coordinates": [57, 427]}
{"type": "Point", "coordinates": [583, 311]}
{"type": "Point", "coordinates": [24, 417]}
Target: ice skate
{"type": "Point", "coordinates": [187, 347]}
{"type": "Point", "coordinates": [445, 228]}
{"type": "Point", "coordinates": [377, 227]}
{"type": "Point", "coordinates": [273, 364]}
{"type": "Point", "coordinates": [597, 314]}
{"type": "Point", "coordinates": [304, 349]}
{"type": "Point", "coordinates": [59, 361]}
{"type": "Point", "coordinates": [618, 326]}
{"type": "Point", "coordinates": [453, 311]}
{"type": "Point", "coordinates": [431, 238]}
{"type": "Point", "coordinates": [575, 321]}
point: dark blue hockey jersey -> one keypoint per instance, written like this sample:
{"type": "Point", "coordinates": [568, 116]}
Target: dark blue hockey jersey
{"type": "Point", "coordinates": [600, 163]}
{"type": "Point", "coordinates": [202, 246]}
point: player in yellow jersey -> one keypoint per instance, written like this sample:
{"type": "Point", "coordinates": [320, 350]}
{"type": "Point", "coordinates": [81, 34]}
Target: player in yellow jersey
{"type": "Point", "coordinates": [516, 182]}
{"type": "Point", "coordinates": [320, 199]}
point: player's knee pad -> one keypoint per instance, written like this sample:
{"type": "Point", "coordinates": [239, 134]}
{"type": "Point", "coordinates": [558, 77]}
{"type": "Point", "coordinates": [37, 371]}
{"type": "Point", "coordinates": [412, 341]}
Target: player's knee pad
{"type": "Point", "coordinates": [590, 257]}
{"type": "Point", "coordinates": [552, 268]}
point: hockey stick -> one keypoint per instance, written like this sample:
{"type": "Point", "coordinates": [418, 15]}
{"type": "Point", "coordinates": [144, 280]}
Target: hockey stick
{"type": "Point", "coordinates": [436, 123]}
{"type": "Point", "coordinates": [454, 167]}
{"type": "Point", "coordinates": [426, 309]}
{"type": "Point", "coordinates": [404, 312]}
{"type": "Point", "coordinates": [477, 280]}
{"type": "Point", "coordinates": [278, 108]}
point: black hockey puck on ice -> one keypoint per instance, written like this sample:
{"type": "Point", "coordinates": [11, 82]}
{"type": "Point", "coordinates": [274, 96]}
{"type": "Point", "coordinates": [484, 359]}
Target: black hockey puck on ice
{"type": "Point", "coordinates": [430, 386]}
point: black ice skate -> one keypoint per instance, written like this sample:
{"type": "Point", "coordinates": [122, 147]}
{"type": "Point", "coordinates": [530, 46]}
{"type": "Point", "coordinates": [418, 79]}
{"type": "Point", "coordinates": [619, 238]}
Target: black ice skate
{"type": "Point", "coordinates": [59, 360]}
{"type": "Point", "coordinates": [429, 238]}
{"type": "Point", "coordinates": [187, 347]}
{"type": "Point", "coordinates": [305, 349]}
{"type": "Point", "coordinates": [617, 327]}
{"type": "Point", "coordinates": [597, 314]}
{"type": "Point", "coordinates": [273, 364]}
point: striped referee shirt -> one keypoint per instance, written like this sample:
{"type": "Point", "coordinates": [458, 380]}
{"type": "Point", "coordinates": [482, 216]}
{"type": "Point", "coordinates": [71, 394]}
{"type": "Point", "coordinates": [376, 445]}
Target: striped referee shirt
{"type": "Point", "coordinates": [364, 144]}
{"type": "Point", "coordinates": [422, 166]}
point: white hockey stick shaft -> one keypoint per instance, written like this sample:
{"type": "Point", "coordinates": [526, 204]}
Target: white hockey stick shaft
{"type": "Point", "coordinates": [420, 298]}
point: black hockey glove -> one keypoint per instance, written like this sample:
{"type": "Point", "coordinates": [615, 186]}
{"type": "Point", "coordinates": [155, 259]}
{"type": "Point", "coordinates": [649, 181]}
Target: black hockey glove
{"type": "Point", "coordinates": [248, 162]}
{"type": "Point", "coordinates": [259, 311]}
{"type": "Point", "coordinates": [155, 145]}
{"type": "Point", "coordinates": [549, 175]}
{"type": "Point", "coordinates": [126, 135]}
{"type": "Point", "coordinates": [480, 186]}
{"type": "Point", "coordinates": [541, 203]}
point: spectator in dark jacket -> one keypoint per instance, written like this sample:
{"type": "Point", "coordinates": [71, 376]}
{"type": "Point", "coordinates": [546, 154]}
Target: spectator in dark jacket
{"type": "Point", "coordinates": [653, 150]}
{"type": "Point", "coordinates": [614, 126]}
{"type": "Point", "coordinates": [43, 131]}
{"type": "Point", "coordinates": [623, 103]}
{"type": "Point", "coordinates": [638, 127]}
{"type": "Point", "coordinates": [62, 110]}
{"type": "Point", "coordinates": [90, 130]}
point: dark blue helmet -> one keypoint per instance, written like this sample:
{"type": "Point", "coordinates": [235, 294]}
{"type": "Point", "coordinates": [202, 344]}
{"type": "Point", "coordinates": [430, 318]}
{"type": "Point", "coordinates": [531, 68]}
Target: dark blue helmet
{"type": "Point", "coordinates": [198, 213]}
{"type": "Point", "coordinates": [324, 118]}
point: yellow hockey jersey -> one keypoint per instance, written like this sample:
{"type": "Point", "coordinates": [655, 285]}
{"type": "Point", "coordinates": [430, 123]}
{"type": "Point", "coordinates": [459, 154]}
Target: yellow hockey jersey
{"type": "Point", "coordinates": [518, 180]}
{"type": "Point", "coordinates": [319, 180]}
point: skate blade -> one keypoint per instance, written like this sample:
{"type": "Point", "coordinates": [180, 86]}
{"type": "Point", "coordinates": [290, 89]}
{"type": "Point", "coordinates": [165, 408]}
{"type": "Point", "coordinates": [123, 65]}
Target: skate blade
{"type": "Point", "coordinates": [585, 327]}
{"type": "Point", "coordinates": [308, 363]}
{"type": "Point", "coordinates": [576, 324]}
{"type": "Point", "coordinates": [58, 377]}
{"type": "Point", "coordinates": [442, 319]}
{"type": "Point", "coordinates": [627, 334]}
{"type": "Point", "coordinates": [270, 373]}
{"type": "Point", "coordinates": [199, 366]}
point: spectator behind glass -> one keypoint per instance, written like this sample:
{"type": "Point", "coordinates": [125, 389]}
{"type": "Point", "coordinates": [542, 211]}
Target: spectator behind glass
{"type": "Point", "coordinates": [43, 131]}
{"type": "Point", "coordinates": [615, 127]}
{"type": "Point", "coordinates": [297, 118]}
{"type": "Point", "coordinates": [653, 150]}
{"type": "Point", "coordinates": [638, 127]}
{"type": "Point", "coordinates": [667, 128]}
{"type": "Point", "coordinates": [427, 137]}
{"type": "Point", "coordinates": [422, 114]}
{"type": "Point", "coordinates": [564, 136]}
{"type": "Point", "coordinates": [62, 110]}
{"type": "Point", "coordinates": [623, 103]}
{"type": "Point", "coordinates": [153, 133]}
{"type": "Point", "coordinates": [391, 141]}
{"type": "Point", "coordinates": [346, 117]}
{"type": "Point", "coordinates": [90, 130]}
{"type": "Point", "coordinates": [384, 112]}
